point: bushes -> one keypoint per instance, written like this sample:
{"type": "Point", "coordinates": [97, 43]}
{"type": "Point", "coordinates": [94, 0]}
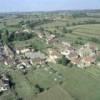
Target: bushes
{"type": "Point", "coordinates": [7, 37]}
{"type": "Point", "coordinates": [20, 36]}
{"type": "Point", "coordinates": [4, 36]}
{"type": "Point", "coordinates": [38, 44]}
{"type": "Point", "coordinates": [64, 61]}
{"type": "Point", "coordinates": [79, 14]}
{"type": "Point", "coordinates": [94, 39]}
{"type": "Point", "coordinates": [34, 23]}
{"type": "Point", "coordinates": [11, 37]}
{"type": "Point", "coordinates": [23, 36]}
{"type": "Point", "coordinates": [98, 59]}
{"type": "Point", "coordinates": [39, 88]}
{"type": "Point", "coordinates": [65, 30]}
{"type": "Point", "coordinates": [79, 42]}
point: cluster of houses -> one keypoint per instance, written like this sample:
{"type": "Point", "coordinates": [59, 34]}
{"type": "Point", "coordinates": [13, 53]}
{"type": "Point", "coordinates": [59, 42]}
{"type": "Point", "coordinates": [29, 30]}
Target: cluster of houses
{"type": "Point", "coordinates": [26, 57]}
{"type": "Point", "coordinates": [20, 58]}
{"type": "Point", "coordinates": [82, 57]}
{"type": "Point", "coordinates": [4, 83]}
{"type": "Point", "coordinates": [49, 38]}
{"type": "Point", "coordinates": [6, 55]}
{"type": "Point", "coordinates": [53, 55]}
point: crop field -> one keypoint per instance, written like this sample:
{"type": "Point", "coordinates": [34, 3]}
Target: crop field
{"type": "Point", "coordinates": [56, 93]}
{"type": "Point", "coordinates": [53, 81]}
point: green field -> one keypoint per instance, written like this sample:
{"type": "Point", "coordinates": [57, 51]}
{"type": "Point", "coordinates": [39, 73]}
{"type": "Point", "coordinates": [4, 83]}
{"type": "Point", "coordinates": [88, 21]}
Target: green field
{"type": "Point", "coordinates": [56, 93]}
{"type": "Point", "coordinates": [58, 82]}
{"type": "Point", "coordinates": [78, 84]}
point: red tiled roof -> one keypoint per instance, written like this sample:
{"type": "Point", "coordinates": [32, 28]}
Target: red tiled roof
{"type": "Point", "coordinates": [89, 59]}
{"type": "Point", "coordinates": [76, 61]}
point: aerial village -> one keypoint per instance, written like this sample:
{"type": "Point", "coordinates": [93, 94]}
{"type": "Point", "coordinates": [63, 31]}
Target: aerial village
{"type": "Point", "coordinates": [23, 59]}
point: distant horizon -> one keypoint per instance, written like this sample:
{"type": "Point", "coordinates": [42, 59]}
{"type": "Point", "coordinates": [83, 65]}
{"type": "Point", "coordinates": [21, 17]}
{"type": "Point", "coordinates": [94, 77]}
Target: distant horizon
{"type": "Point", "coordinates": [51, 10]}
{"type": "Point", "coordinates": [47, 5]}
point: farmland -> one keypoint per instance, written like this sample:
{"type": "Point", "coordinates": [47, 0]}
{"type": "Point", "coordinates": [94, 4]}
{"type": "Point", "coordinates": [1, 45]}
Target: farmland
{"type": "Point", "coordinates": [52, 81]}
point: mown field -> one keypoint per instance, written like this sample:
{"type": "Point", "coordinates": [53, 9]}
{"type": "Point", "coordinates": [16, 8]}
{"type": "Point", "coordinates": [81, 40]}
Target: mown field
{"type": "Point", "coordinates": [78, 84]}
{"type": "Point", "coordinates": [55, 93]}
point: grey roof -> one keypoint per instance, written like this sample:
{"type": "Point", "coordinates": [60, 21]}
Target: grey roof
{"type": "Point", "coordinates": [73, 54]}
{"type": "Point", "coordinates": [35, 55]}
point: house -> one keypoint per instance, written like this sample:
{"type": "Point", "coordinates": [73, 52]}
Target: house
{"type": "Point", "coordinates": [83, 51]}
{"type": "Point", "coordinates": [39, 61]}
{"type": "Point", "coordinates": [53, 55]}
{"type": "Point", "coordinates": [66, 44]}
{"type": "Point", "coordinates": [36, 57]}
{"type": "Point", "coordinates": [4, 83]}
{"type": "Point", "coordinates": [68, 51]}
{"type": "Point", "coordinates": [87, 49]}
{"type": "Point", "coordinates": [88, 60]}
{"type": "Point", "coordinates": [9, 61]}
{"type": "Point", "coordinates": [23, 65]}
{"type": "Point", "coordinates": [51, 39]}
{"type": "Point", "coordinates": [83, 57]}
{"type": "Point", "coordinates": [92, 46]}
{"type": "Point", "coordinates": [26, 30]}
{"type": "Point", "coordinates": [76, 61]}
{"type": "Point", "coordinates": [83, 62]}
{"type": "Point", "coordinates": [18, 60]}
{"type": "Point", "coordinates": [40, 35]}
{"type": "Point", "coordinates": [2, 86]}
{"type": "Point", "coordinates": [73, 55]}
{"type": "Point", "coordinates": [23, 50]}
{"type": "Point", "coordinates": [33, 55]}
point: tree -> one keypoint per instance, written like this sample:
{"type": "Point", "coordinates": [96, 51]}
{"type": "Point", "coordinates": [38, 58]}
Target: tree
{"type": "Point", "coordinates": [23, 36]}
{"type": "Point", "coordinates": [11, 37]}
{"type": "Point", "coordinates": [21, 23]}
{"type": "Point", "coordinates": [5, 36]}
{"type": "Point", "coordinates": [70, 31]}
{"type": "Point", "coordinates": [0, 36]}
{"type": "Point", "coordinates": [65, 30]}
{"type": "Point", "coordinates": [5, 24]}
{"type": "Point", "coordinates": [67, 24]}
{"type": "Point", "coordinates": [38, 45]}
{"type": "Point", "coordinates": [41, 29]}
{"type": "Point", "coordinates": [74, 23]}
{"type": "Point", "coordinates": [63, 61]}
{"type": "Point", "coordinates": [40, 89]}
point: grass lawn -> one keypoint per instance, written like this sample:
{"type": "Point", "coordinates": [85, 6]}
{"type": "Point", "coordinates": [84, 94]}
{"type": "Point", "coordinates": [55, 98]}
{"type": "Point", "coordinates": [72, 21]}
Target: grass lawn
{"type": "Point", "coordinates": [22, 86]}
{"type": "Point", "coordinates": [81, 84]}
{"type": "Point", "coordinates": [8, 95]}
{"type": "Point", "coordinates": [55, 93]}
